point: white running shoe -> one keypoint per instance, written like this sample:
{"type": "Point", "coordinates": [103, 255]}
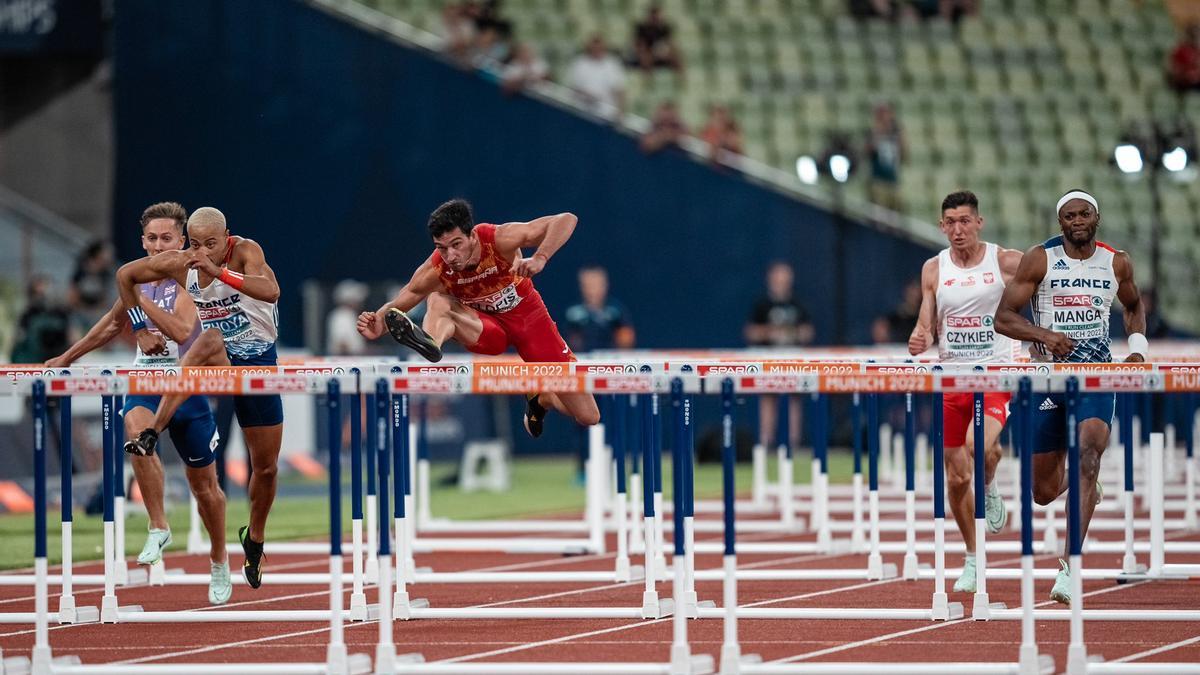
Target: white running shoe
{"type": "Point", "coordinates": [966, 582]}
{"type": "Point", "coordinates": [1062, 584]}
{"type": "Point", "coordinates": [156, 542]}
{"type": "Point", "coordinates": [219, 585]}
{"type": "Point", "coordinates": [995, 510]}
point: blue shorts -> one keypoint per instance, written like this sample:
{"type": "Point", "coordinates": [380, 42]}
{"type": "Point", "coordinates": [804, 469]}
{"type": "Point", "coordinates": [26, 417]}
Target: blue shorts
{"type": "Point", "coordinates": [1050, 417]}
{"type": "Point", "coordinates": [193, 429]}
{"type": "Point", "coordinates": [258, 411]}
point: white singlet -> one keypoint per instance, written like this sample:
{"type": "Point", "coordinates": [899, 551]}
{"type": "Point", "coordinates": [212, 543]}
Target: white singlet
{"type": "Point", "coordinates": [249, 326]}
{"type": "Point", "coordinates": [1074, 299]}
{"type": "Point", "coordinates": [966, 303]}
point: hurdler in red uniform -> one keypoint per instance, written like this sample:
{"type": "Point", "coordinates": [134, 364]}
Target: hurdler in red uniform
{"type": "Point", "coordinates": [478, 291]}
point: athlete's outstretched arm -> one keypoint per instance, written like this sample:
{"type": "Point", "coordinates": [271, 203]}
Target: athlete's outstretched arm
{"type": "Point", "coordinates": [108, 327]}
{"type": "Point", "coordinates": [1130, 297]}
{"type": "Point", "coordinates": [424, 281]}
{"type": "Point", "coordinates": [178, 325]}
{"type": "Point", "coordinates": [165, 265]}
{"type": "Point", "coordinates": [925, 332]}
{"type": "Point", "coordinates": [547, 233]}
{"type": "Point", "coordinates": [256, 279]}
{"type": "Point", "coordinates": [1017, 294]}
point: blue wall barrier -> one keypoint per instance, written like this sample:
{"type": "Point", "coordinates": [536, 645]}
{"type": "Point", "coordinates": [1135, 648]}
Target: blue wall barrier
{"type": "Point", "coordinates": [330, 146]}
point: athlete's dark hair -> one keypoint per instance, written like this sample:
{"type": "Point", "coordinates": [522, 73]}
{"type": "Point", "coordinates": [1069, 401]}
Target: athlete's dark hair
{"type": "Point", "coordinates": [960, 198]}
{"type": "Point", "coordinates": [172, 210]}
{"type": "Point", "coordinates": [454, 214]}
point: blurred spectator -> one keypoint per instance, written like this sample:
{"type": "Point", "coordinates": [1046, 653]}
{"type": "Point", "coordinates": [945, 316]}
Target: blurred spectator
{"type": "Point", "coordinates": [885, 148]}
{"type": "Point", "coordinates": [721, 133]}
{"type": "Point", "coordinates": [493, 46]}
{"type": "Point", "coordinates": [599, 322]}
{"type": "Point", "coordinates": [955, 10]}
{"type": "Point", "coordinates": [1183, 66]}
{"type": "Point", "coordinates": [778, 320]}
{"type": "Point", "coordinates": [652, 43]}
{"type": "Point", "coordinates": [341, 334]}
{"type": "Point", "coordinates": [92, 291]}
{"type": "Point", "coordinates": [458, 24]}
{"type": "Point", "coordinates": [44, 327]}
{"type": "Point", "coordinates": [525, 68]}
{"type": "Point", "coordinates": [599, 79]}
{"type": "Point", "coordinates": [488, 15]}
{"type": "Point", "coordinates": [666, 128]}
{"type": "Point", "coordinates": [895, 326]}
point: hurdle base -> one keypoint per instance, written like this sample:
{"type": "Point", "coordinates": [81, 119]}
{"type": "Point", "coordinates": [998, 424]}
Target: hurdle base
{"type": "Point", "coordinates": [683, 662]}
{"type": "Point", "coordinates": [66, 609]}
{"type": "Point", "coordinates": [654, 607]}
{"type": "Point", "coordinates": [910, 566]}
{"type": "Point", "coordinates": [358, 607]}
{"type": "Point", "coordinates": [158, 574]}
{"type": "Point", "coordinates": [337, 661]}
{"type": "Point", "coordinates": [108, 609]}
{"type": "Point", "coordinates": [941, 607]}
{"type": "Point", "coordinates": [1031, 663]}
{"type": "Point", "coordinates": [874, 567]}
{"type": "Point", "coordinates": [14, 664]}
{"type": "Point", "coordinates": [732, 660]}
{"type": "Point", "coordinates": [1077, 660]}
{"type": "Point", "coordinates": [41, 662]}
{"type": "Point", "coordinates": [402, 606]}
{"type": "Point", "coordinates": [623, 572]}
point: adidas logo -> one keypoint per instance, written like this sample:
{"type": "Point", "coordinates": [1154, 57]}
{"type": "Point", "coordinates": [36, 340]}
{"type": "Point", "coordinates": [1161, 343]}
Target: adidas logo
{"type": "Point", "coordinates": [194, 289]}
{"type": "Point", "coordinates": [1047, 405]}
{"type": "Point", "coordinates": [1061, 265]}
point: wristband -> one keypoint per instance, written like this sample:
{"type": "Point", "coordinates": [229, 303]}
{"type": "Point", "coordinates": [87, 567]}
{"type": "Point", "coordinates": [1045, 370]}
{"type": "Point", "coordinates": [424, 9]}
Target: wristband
{"type": "Point", "coordinates": [137, 317]}
{"type": "Point", "coordinates": [1139, 345]}
{"type": "Point", "coordinates": [231, 278]}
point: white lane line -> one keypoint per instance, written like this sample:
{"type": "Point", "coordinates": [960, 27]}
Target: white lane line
{"type": "Point", "coordinates": [883, 638]}
{"type": "Point", "coordinates": [1157, 650]}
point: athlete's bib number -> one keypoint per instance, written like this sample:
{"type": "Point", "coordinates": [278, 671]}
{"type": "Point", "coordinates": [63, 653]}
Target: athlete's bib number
{"type": "Point", "coordinates": [501, 301]}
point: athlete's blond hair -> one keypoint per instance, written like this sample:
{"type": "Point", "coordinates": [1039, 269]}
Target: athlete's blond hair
{"type": "Point", "coordinates": [206, 216]}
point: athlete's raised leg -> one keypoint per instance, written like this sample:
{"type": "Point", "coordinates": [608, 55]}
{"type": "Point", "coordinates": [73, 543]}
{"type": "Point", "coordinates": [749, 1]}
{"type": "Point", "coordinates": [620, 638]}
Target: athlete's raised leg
{"type": "Point", "coordinates": [580, 407]}
{"type": "Point", "coordinates": [207, 350]}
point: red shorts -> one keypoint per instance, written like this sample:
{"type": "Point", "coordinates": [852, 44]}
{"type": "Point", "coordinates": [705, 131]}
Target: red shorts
{"type": "Point", "coordinates": [958, 411]}
{"type": "Point", "coordinates": [528, 328]}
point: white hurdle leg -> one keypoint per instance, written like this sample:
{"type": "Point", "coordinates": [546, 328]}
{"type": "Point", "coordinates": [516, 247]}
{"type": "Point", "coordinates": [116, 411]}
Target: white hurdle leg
{"type": "Point", "coordinates": [372, 564]}
{"type": "Point", "coordinates": [650, 604]}
{"type": "Point", "coordinates": [358, 599]}
{"type": "Point", "coordinates": [108, 603]}
{"type": "Point", "coordinates": [759, 475]}
{"type": "Point", "coordinates": [874, 559]}
{"type": "Point", "coordinates": [681, 652]}
{"type": "Point", "coordinates": [941, 602]}
{"type": "Point", "coordinates": [336, 658]}
{"type": "Point", "coordinates": [858, 536]}
{"type": "Point", "coordinates": [195, 540]}
{"type": "Point", "coordinates": [910, 535]}
{"type": "Point", "coordinates": [787, 504]}
{"type": "Point", "coordinates": [424, 510]}
{"type": "Point", "coordinates": [1157, 490]}
{"type": "Point", "coordinates": [66, 601]}
{"type": "Point", "coordinates": [660, 557]}
{"type": "Point", "coordinates": [731, 651]}
{"type": "Point", "coordinates": [637, 544]}
{"type": "Point", "coordinates": [119, 566]}
{"type": "Point", "coordinates": [981, 610]}
{"type": "Point", "coordinates": [385, 650]}
{"type": "Point", "coordinates": [815, 515]}
{"type": "Point", "coordinates": [594, 473]}
{"type": "Point", "coordinates": [622, 562]}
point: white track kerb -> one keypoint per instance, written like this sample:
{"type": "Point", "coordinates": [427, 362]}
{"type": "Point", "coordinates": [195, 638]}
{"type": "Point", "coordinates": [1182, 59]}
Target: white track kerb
{"type": "Point", "coordinates": [641, 399]}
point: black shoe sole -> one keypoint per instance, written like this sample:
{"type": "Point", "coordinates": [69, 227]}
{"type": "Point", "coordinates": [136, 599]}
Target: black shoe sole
{"type": "Point", "coordinates": [252, 573]}
{"type": "Point", "coordinates": [132, 448]}
{"type": "Point", "coordinates": [534, 422]}
{"type": "Point", "coordinates": [409, 334]}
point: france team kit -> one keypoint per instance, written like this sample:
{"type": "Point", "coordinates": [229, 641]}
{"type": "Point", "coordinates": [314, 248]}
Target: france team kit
{"type": "Point", "coordinates": [1074, 299]}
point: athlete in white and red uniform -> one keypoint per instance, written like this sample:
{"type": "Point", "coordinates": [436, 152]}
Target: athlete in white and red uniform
{"type": "Point", "coordinates": [478, 292]}
{"type": "Point", "coordinates": [961, 287]}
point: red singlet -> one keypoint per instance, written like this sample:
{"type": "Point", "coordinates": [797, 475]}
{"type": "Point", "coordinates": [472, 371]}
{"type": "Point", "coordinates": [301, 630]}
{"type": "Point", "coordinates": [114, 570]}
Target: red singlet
{"type": "Point", "coordinates": [509, 306]}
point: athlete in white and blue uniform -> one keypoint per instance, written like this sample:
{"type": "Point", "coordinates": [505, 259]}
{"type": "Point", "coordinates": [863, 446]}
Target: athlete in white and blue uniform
{"type": "Point", "coordinates": [170, 323]}
{"type": "Point", "coordinates": [1071, 281]}
{"type": "Point", "coordinates": [235, 293]}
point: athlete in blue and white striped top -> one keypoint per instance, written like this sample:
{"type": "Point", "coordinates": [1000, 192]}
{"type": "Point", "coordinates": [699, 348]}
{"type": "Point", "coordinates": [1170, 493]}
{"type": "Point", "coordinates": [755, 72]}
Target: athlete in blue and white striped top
{"type": "Point", "coordinates": [1071, 281]}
